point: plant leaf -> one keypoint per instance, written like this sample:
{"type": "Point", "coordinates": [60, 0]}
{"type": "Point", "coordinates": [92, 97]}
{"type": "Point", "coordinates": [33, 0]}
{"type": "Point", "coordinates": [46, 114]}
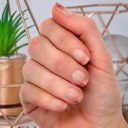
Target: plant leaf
{"type": "Point", "coordinates": [5, 13]}
{"type": "Point", "coordinates": [11, 32]}
{"type": "Point", "coordinates": [17, 48]}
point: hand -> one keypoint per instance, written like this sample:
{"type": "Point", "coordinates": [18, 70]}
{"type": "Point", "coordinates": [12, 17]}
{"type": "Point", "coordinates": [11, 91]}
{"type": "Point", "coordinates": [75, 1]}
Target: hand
{"type": "Point", "coordinates": [62, 93]}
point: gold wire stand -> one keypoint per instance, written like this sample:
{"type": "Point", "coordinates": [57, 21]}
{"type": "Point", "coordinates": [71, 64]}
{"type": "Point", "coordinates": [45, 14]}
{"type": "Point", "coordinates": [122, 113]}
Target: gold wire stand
{"type": "Point", "coordinates": [21, 118]}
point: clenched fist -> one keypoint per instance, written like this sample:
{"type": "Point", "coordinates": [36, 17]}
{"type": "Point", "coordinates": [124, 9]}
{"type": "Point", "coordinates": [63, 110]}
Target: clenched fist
{"type": "Point", "coordinates": [70, 80]}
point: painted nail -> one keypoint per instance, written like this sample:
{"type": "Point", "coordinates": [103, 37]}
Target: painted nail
{"type": "Point", "coordinates": [62, 9]}
{"type": "Point", "coordinates": [81, 56]}
{"type": "Point", "coordinates": [59, 105]}
{"type": "Point", "coordinates": [78, 78]}
{"type": "Point", "coordinates": [74, 95]}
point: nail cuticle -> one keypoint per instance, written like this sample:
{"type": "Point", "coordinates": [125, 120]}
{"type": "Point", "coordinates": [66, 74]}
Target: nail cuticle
{"type": "Point", "coordinates": [81, 56]}
{"type": "Point", "coordinates": [78, 77]}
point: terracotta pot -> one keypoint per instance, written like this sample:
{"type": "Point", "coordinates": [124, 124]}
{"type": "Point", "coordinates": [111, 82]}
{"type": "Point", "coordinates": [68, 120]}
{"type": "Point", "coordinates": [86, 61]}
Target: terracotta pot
{"type": "Point", "coordinates": [11, 79]}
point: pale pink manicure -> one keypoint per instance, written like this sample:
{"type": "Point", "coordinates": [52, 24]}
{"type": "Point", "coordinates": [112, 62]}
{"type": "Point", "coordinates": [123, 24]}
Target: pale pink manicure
{"type": "Point", "coordinates": [81, 56]}
{"type": "Point", "coordinates": [79, 78]}
{"type": "Point", "coordinates": [74, 95]}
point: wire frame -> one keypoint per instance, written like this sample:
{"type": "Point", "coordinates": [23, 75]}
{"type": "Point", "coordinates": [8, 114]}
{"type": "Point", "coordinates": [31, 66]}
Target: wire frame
{"type": "Point", "coordinates": [99, 11]}
{"type": "Point", "coordinates": [21, 118]}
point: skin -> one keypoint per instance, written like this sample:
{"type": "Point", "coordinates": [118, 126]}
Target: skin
{"type": "Point", "coordinates": [47, 97]}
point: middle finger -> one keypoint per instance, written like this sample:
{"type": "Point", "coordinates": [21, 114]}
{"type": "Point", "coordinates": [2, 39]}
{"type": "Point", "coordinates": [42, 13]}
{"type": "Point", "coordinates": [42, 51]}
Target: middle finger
{"type": "Point", "coordinates": [58, 62]}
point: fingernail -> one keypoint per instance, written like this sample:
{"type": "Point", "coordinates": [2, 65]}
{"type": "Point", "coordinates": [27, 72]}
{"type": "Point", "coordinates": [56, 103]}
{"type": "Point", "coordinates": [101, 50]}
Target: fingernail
{"type": "Point", "coordinates": [78, 78]}
{"type": "Point", "coordinates": [59, 105]}
{"type": "Point", "coordinates": [62, 9]}
{"type": "Point", "coordinates": [81, 56]}
{"type": "Point", "coordinates": [74, 95]}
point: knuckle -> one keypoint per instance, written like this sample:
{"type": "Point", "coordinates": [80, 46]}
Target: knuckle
{"type": "Point", "coordinates": [45, 25]}
{"type": "Point", "coordinates": [27, 68]}
{"type": "Point", "coordinates": [90, 23]}
{"type": "Point", "coordinates": [33, 43]}
{"type": "Point", "coordinates": [22, 93]}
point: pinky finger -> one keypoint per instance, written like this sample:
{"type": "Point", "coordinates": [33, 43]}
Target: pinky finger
{"type": "Point", "coordinates": [32, 97]}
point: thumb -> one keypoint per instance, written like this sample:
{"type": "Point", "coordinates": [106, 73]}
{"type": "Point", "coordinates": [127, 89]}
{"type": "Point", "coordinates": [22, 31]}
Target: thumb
{"type": "Point", "coordinates": [84, 28]}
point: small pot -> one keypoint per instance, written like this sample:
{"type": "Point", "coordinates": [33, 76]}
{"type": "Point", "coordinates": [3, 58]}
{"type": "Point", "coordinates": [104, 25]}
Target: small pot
{"type": "Point", "coordinates": [11, 79]}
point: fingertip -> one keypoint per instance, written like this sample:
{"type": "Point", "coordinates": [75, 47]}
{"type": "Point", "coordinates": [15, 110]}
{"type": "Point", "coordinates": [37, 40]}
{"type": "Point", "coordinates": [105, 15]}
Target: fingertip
{"type": "Point", "coordinates": [60, 13]}
{"type": "Point", "coordinates": [59, 8]}
{"type": "Point", "coordinates": [54, 10]}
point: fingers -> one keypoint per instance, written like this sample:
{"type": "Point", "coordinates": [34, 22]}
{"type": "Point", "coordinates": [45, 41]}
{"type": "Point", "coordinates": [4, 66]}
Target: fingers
{"type": "Point", "coordinates": [49, 82]}
{"type": "Point", "coordinates": [82, 26]}
{"type": "Point", "coordinates": [33, 96]}
{"type": "Point", "coordinates": [61, 64]}
{"type": "Point", "coordinates": [65, 41]}
{"type": "Point", "coordinates": [85, 28]}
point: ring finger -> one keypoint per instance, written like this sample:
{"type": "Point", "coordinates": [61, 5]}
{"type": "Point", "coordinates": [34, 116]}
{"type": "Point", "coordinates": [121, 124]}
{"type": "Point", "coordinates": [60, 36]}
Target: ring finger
{"type": "Point", "coordinates": [49, 82]}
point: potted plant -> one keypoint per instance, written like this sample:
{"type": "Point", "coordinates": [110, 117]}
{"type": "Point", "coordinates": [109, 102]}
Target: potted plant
{"type": "Point", "coordinates": [11, 62]}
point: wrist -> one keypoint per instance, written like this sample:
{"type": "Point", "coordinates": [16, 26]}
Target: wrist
{"type": "Point", "coordinates": [121, 123]}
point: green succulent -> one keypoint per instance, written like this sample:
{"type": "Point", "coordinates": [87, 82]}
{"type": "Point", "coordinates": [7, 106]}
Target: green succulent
{"type": "Point", "coordinates": [11, 32]}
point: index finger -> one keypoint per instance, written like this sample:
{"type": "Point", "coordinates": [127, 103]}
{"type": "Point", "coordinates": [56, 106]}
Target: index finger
{"type": "Point", "coordinates": [84, 27]}
{"type": "Point", "coordinates": [87, 31]}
